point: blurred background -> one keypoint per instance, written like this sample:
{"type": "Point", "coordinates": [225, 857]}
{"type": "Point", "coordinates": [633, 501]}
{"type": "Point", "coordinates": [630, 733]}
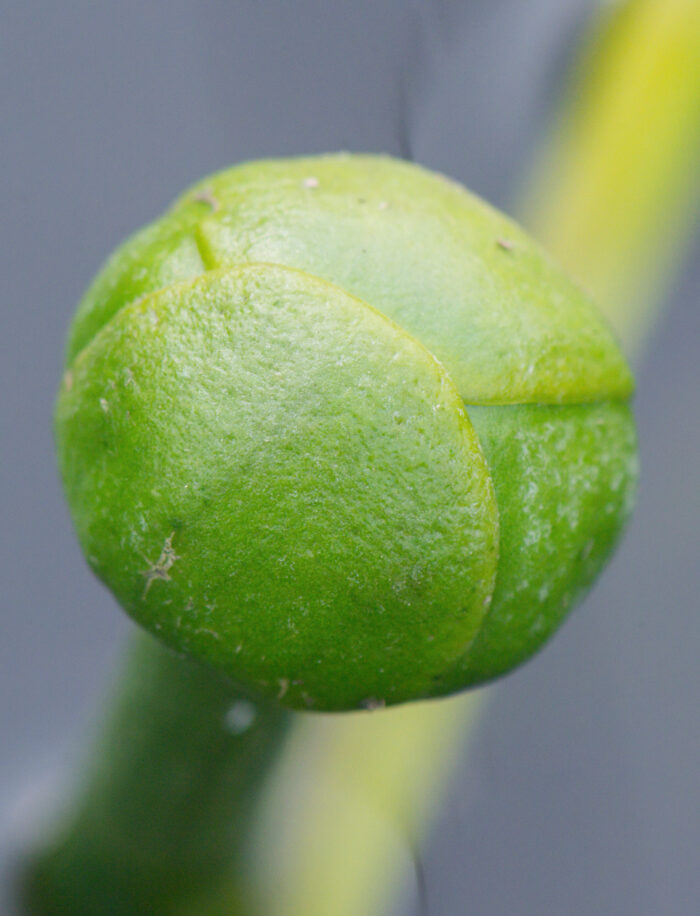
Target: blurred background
{"type": "Point", "coordinates": [579, 793]}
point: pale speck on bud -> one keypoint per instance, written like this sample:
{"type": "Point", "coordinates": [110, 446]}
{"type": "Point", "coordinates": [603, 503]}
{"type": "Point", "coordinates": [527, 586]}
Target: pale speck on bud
{"type": "Point", "coordinates": [240, 717]}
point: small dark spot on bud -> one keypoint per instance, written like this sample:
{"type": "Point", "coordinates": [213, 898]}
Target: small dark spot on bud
{"type": "Point", "coordinates": [373, 703]}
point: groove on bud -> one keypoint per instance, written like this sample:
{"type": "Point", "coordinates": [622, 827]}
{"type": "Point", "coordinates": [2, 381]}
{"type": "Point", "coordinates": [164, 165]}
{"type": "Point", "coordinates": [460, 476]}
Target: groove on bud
{"type": "Point", "coordinates": [364, 442]}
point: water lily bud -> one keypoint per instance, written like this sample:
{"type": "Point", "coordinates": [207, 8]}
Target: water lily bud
{"type": "Point", "coordinates": [342, 430]}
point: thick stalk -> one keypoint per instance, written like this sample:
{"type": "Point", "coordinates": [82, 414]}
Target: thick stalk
{"type": "Point", "coordinates": [615, 190]}
{"type": "Point", "coordinates": [346, 810]}
{"type": "Point", "coordinates": [614, 195]}
{"type": "Point", "coordinates": [163, 811]}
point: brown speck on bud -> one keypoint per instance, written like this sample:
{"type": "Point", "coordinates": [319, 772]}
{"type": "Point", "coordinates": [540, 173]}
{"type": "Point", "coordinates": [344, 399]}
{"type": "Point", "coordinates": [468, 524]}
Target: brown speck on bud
{"type": "Point", "coordinates": [206, 196]}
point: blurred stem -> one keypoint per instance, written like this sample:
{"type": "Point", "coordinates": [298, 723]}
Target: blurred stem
{"type": "Point", "coordinates": [164, 809]}
{"type": "Point", "coordinates": [616, 187]}
{"type": "Point", "coordinates": [167, 805]}
{"type": "Point", "coordinates": [613, 195]}
{"type": "Point", "coordinates": [347, 807]}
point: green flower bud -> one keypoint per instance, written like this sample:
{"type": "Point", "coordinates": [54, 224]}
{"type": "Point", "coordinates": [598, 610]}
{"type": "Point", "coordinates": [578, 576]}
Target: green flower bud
{"type": "Point", "coordinates": [345, 432]}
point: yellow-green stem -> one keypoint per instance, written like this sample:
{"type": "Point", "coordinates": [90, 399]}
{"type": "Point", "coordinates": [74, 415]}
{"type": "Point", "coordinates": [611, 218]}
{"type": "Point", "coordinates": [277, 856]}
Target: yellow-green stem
{"type": "Point", "coordinates": [614, 194]}
{"type": "Point", "coordinates": [352, 796]}
{"type": "Point", "coordinates": [346, 810]}
{"type": "Point", "coordinates": [616, 186]}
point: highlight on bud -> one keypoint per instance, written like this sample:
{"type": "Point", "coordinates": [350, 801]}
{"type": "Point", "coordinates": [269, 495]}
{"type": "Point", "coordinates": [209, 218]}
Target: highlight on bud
{"type": "Point", "coordinates": [342, 430]}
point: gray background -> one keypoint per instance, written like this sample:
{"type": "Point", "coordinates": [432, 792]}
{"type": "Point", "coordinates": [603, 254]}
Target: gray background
{"type": "Point", "coordinates": [580, 794]}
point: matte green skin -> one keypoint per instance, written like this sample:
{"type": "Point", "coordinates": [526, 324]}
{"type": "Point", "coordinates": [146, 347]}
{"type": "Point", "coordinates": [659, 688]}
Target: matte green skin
{"type": "Point", "coordinates": [164, 808]}
{"type": "Point", "coordinates": [342, 430]}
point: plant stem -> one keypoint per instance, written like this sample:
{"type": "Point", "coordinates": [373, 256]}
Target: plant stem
{"type": "Point", "coordinates": [613, 195]}
{"type": "Point", "coordinates": [165, 817]}
{"type": "Point", "coordinates": [615, 192]}
{"type": "Point", "coordinates": [164, 808]}
{"type": "Point", "coordinates": [344, 815]}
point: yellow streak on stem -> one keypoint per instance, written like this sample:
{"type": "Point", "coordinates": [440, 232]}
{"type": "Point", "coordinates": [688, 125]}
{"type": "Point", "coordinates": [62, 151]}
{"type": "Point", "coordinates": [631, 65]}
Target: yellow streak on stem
{"type": "Point", "coordinates": [613, 197]}
{"type": "Point", "coordinates": [366, 786]}
{"type": "Point", "coordinates": [616, 186]}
